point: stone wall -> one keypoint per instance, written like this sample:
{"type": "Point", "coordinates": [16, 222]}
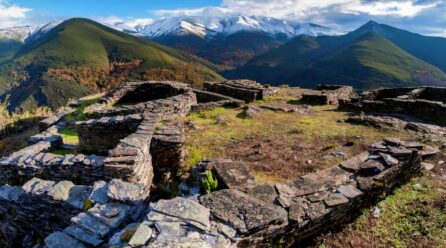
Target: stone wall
{"type": "Point", "coordinates": [244, 213]}
{"type": "Point", "coordinates": [168, 148]}
{"type": "Point", "coordinates": [246, 90]}
{"type": "Point", "coordinates": [99, 136]}
{"type": "Point", "coordinates": [72, 215]}
{"type": "Point", "coordinates": [131, 159]}
{"type": "Point", "coordinates": [175, 104]}
{"type": "Point", "coordinates": [328, 94]}
{"type": "Point", "coordinates": [209, 100]}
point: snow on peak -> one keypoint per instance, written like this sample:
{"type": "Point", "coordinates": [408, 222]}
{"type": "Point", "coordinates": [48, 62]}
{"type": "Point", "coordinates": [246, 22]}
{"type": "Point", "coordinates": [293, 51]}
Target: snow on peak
{"type": "Point", "coordinates": [19, 33]}
{"type": "Point", "coordinates": [209, 25]}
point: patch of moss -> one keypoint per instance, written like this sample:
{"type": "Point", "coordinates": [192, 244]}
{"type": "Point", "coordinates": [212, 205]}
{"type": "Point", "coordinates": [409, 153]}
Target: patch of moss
{"type": "Point", "coordinates": [69, 136]}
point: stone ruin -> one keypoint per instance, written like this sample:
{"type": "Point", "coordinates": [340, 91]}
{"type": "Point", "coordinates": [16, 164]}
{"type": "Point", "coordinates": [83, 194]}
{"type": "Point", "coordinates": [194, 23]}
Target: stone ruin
{"type": "Point", "coordinates": [100, 197]}
{"type": "Point", "coordinates": [424, 102]}
{"type": "Point", "coordinates": [328, 94]}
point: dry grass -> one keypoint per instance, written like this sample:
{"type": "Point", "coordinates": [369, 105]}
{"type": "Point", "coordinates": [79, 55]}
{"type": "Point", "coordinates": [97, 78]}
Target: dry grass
{"type": "Point", "coordinates": [277, 146]}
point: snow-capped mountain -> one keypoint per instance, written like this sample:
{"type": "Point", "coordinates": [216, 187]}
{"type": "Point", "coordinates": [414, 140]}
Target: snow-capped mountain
{"type": "Point", "coordinates": [19, 33]}
{"type": "Point", "coordinates": [208, 26]}
{"type": "Point", "coordinates": [27, 33]}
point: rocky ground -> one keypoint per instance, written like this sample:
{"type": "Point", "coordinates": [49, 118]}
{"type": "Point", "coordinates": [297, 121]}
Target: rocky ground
{"type": "Point", "coordinates": [279, 141]}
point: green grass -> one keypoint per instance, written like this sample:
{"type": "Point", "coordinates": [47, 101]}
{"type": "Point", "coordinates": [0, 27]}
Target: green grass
{"type": "Point", "coordinates": [63, 152]}
{"type": "Point", "coordinates": [69, 136]}
{"type": "Point", "coordinates": [410, 217]}
{"type": "Point", "coordinates": [78, 114]}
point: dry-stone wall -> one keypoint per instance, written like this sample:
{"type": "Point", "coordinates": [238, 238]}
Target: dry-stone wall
{"type": "Point", "coordinates": [246, 90]}
{"type": "Point", "coordinates": [426, 102]}
{"type": "Point", "coordinates": [126, 100]}
{"type": "Point", "coordinates": [245, 213]}
{"type": "Point", "coordinates": [328, 94]}
{"type": "Point", "coordinates": [84, 200]}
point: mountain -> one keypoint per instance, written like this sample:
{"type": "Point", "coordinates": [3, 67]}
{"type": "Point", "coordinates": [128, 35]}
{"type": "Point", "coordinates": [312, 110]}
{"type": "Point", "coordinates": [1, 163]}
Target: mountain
{"type": "Point", "coordinates": [12, 38]}
{"type": "Point", "coordinates": [80, 56]}
{"type": "Point", "coordinates": [228, 40]}
{"type": "Point", "coordinates": [426, 48]}
{"type": "Point", "coordinates": [362, 58]}
{"type": "Point", "coordinates": [208, 26]}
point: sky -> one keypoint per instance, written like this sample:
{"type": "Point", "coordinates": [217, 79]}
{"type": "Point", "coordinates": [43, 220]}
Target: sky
{"type": "Point", "coordinates": [422, 16]}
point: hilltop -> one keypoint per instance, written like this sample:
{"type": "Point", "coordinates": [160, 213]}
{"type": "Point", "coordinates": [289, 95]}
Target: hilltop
{"type": "Point", "coordinates": [372, 56]}
{"type": "Point", "coordinates": [80, 56]}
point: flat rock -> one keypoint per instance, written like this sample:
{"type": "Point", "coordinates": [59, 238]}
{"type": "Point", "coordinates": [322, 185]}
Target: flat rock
{"type": "Point", "coordinates": [123, 191]}
{"type": "Point", "coordinates": [244, 212]}
{"type": "Point", "coordinates": [353, 163]}
{"type": "Point", "coordinates": [427, 166]}
{"type": "Point", "coordinates": [389, 159]}
{"type": "Point", "coordinates": [62, 240]}
{"type": "Point", "coordinates": [61, 191]}
{"type": "Point", "coordinates": [38, 186]}
{"type": "Point", "coordinates": [141, 236]}
{"type": "Point", "coordinates": [111, 214]}
{"type": "Point", "coordinates": [349, 191]}
{"type": "Point", "coordinates": [335, 200]}
{"type": "Point", "coordinates": [78, 195]}
{"type": "Point", "coordinates": [371, 167]}
{"type": "Point", "coordinates": [187, 210]}
{"type": "Point", "coordinates": [233, 174]}
{"type": "Point", "coordinates": [99, 192]}
{"type": "Point", "coordinates": [83, 236]}
{"type": "Point", "coordinates": [91, 224]}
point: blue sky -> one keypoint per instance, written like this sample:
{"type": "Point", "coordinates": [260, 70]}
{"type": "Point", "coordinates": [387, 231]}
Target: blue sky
{"type": "Point", "coordinates": [422, 16]}
{"type": "Point", "coordinates": [94, 8]}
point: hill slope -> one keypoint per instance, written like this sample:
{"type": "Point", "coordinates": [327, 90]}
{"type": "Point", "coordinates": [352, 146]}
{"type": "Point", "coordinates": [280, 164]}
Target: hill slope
{"type": "Point", "coordinates": [80, 56]}
{"type": "Point", "coordinates": [360, 58]}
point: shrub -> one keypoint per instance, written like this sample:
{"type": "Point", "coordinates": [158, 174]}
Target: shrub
{"type": "Point", "coordinates": [209, 182]}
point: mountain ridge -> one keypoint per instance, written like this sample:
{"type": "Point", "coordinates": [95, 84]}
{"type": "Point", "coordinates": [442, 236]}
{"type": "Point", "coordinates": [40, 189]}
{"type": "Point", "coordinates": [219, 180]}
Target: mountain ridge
{"type": "Point", "coordinates": [81, 56]}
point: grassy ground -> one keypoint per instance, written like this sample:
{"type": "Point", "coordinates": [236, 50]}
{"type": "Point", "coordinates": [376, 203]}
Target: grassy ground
{"type": "Point", "coordinates": [414, 216]}
{"type": "Point", "coordinates": [278, 146]}
{"type": "Point", "coordinates": [15, 142]}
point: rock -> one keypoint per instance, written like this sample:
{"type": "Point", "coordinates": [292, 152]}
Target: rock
{"type": "Point", "coordinates": [61, 191]}
{"type": "Point", "coordinates": [232, 174]}
{"type": "Point", "coordinates": [316, 211]}
{"type": "Point", "coordinates": [99, 192]}
{"type": "Point", "coordinates": [141, 236]}
{"type": "Point", "coordinates": [10, 193]}
{"type": "Point", "coordinates": [376, 212]}
{"type": "Point", "coordinates": [353, 163]}
{"type": "Point", "coordinates": [111, 214]}
{"type": "Point", "coordinates": [388, 159]}
{"type": "Point", "coordinates": [187, 210]}
{"type": "Point", "coordinates": [168, 231]}
{"type": "Point", "coordinates": [370, 168]}
{"type": "Point", "coordinates": [83, 236]}
{"type": "Point", "coordinates": [38, 186]}
{"type": "Point", "coordinates": [264, 192]}
{"type": "Point", "coordinates": [335, 199]}
{"type": "Point", "coordinates": [78, 195]}
{"type": "Point", "coordinates": [400, 151]}
{"type": "Point", "coordinates": [429, 151]}
{"type": "Point", "coordinates": [91, 224]}
{"type": "Point", "coordinates": [62, 240]}
{"type": "Point", "coordinates": [349, 191]}
{"type": "Point", "coordinates": [123, 191]}
{"type": "Point", "coordinates": [245, 213]}
{"type": "Point", "coordinates": [252, 111]}
{"type": "Point", "coordinates": [427, 166]}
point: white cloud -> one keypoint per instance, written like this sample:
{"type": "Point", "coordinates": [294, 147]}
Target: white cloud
{"type": "Point", "coordinates": [120, 23]}
{"type": "Point", "coordinates": [299, 9]}
{"type": "Point", "coordinates": [207, 11]}
{"type": "Point", "coordinates": [11, 14]}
